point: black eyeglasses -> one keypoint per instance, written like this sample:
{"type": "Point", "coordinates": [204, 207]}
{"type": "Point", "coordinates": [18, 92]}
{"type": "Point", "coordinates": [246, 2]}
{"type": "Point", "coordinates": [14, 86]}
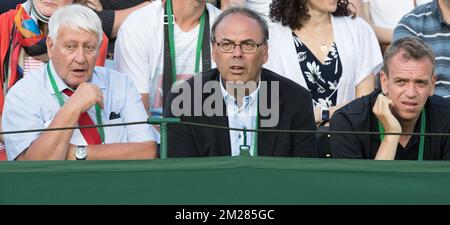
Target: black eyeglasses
{"type": "Point", "coordinates": [246, 46]}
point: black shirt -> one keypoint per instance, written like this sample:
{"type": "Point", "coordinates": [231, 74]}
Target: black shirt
{"type": "Point", "coordinates": [358, 116]}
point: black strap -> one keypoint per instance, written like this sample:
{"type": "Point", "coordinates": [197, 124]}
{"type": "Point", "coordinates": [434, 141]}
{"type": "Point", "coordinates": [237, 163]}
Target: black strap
{"type": "Point", "coordinates": [167, 70]}
{"type": "Point", "coordinates": [322, 123]}
{"type": "Point", "coordinates": [206, 47]}
{"type": "Point", "coordinates": [7, 59]}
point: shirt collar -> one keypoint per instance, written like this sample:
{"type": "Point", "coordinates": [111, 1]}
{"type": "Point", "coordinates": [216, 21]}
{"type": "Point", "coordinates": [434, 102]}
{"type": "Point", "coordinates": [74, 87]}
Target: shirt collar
{"type": "Point", "coordinates": [27, 7]}
{"type": "Point", "coordinates": [59, 82]}
{"type": "Point", "coordinates": [99, 80]}
{"type": "Point", "coordinates": [231, 99]}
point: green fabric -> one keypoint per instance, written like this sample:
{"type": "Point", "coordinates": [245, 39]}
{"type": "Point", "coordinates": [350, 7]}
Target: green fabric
{"type": "Point", "coordinates": [225, 181]}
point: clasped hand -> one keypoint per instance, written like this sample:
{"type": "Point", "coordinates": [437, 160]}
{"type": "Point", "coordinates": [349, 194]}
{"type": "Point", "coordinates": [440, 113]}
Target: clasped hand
{"type": "Point", "coordinates": [85, 96]}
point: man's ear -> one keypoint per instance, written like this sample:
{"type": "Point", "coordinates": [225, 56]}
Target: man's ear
{"type": "Point", "coordinates": [433, 84]}
{"type": "Point", "coordinates": [49, 42]}
{"type": "Point", "coordinates": [383, 81]}
{"type": "Point", "coordinates": [214, 52]}
{"type": "Point", "coordinates": [266, 53]}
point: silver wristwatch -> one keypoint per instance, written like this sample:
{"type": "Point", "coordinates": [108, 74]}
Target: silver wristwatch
{"type": "Point", "coordinates": [80, 152]}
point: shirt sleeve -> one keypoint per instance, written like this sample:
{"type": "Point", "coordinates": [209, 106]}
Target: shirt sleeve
{"type": "Point", "coordinates": [446, 149]}
{"type": "Point", "coordinates": [131, 54]}
{"type": "Point", "coordinates": [370, 59]}
{"type": "Point", "coordinates": [180, 136]}
{"type": "Point", "coordinates": [107, 16]}
{"type": "Point", "coordinates": [404, 29]}
{"type": "Point", "coordinates": [120, 4]}
{"type": "Point", "coordinates": [304, 143]}
{"type": "Point", "coordinates": [21, 112]}
{"type": "Point", "coordinates": [347, 146]}
{"type": "Point", "coordinates": [134, 111]}
{"type": "Point", "coordinates": [445, 141]}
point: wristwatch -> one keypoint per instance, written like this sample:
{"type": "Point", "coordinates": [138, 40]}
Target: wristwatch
{"type": "Point", "coordinates": [80, 152]}
{"type": "Point", "coordinates": [325, 114]}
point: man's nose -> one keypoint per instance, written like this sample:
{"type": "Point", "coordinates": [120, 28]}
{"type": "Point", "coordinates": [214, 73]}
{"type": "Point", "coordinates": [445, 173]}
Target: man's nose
{"type": "Point", "coordinates": [411, 90]}
{"type": "Point", "coordinates": [237, 51]}
{"type": "Point", "coordinates": [80, 55]}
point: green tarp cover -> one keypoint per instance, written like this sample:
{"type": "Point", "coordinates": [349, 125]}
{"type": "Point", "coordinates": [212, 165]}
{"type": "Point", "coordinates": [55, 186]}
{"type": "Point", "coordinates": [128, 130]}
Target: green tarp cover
{"type": "Point", "coordinates": [225, 181]}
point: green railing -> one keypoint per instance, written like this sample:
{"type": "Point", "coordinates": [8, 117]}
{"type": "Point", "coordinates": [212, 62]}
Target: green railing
{"type": "Point", "coordinates": [163, 125]}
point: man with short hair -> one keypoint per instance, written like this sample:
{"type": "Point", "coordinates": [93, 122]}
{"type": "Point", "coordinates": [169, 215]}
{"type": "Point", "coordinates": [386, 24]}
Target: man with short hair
{"type": "Point", "coordinates": [405, 104]}
{"type": "Point", "coordinates": [240, 94]}
{"type": "Point", "coordinates": [70, 90]}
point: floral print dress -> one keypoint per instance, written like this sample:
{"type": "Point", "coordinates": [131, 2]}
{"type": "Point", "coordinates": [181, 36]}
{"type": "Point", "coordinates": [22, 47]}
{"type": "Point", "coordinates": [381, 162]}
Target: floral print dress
{"type": "Point", "coordinates": [322, 79]}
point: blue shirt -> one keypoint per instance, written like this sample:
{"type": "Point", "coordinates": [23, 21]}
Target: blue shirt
{"type": "Point", "coordinates": [32, 104]}
{"type": "Point", "coordinates": [427, 23]}
{"type": "Point", "coordinates": [241, 117]}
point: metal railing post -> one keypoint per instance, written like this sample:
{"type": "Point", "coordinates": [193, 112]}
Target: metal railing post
{"type": "Point", "coordinates": [163, 122]}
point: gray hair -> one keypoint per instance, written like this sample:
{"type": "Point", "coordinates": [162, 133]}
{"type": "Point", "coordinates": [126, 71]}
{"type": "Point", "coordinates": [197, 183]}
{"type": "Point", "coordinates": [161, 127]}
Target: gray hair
{"type": "Point", "coordinates": [413, 47]}
{"type": "Point", "coordinates": [242, 11]}
{"type": "Point", "coordinates": [77, 17]}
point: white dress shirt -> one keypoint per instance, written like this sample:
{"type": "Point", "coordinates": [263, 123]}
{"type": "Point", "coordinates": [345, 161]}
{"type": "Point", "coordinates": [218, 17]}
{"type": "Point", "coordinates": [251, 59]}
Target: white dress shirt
{"type": "Point", "coordinates": [241, 117]}
{"type": "Point", "coordinates": [32, 104]}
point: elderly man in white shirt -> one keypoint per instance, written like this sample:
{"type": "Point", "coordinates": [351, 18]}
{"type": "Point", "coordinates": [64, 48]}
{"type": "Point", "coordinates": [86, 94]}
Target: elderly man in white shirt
{"type": "Point", "coordinates": [71, 91]}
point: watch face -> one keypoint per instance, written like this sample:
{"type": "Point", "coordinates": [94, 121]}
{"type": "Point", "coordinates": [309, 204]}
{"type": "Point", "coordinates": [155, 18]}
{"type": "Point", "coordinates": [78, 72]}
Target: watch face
{"type": "Point", "coordinates": [325, 115]}
{"type": "Point", "coordinates": [80, 152]}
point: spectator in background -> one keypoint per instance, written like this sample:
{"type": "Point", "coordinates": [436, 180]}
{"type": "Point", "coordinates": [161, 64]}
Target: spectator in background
{"type": "Point", "coordinates": [113, 13]}
{"type": "Point", "coordinates": [321, 45]}
{"type": "Point", "coordinates": [405, 104]}
{"type": "Point", "coordinates": [140, 47]}
{"type": "Point", "coordinates": [27, 26]}
{"type": "Point", "coordinates": [239, 38]}
{"type": "Point", "coordinates": [260, 6]}
{"type": "Point", "coordinates": [70, 90]}
{"type": "Point", "coordinates": [430, 22]}
{"type": "Point", "coordinates": [383, 15]}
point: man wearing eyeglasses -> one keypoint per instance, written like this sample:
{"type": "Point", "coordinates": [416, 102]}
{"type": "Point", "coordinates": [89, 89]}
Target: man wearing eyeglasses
{"type": "Point", "coordinates": [240, 94]}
